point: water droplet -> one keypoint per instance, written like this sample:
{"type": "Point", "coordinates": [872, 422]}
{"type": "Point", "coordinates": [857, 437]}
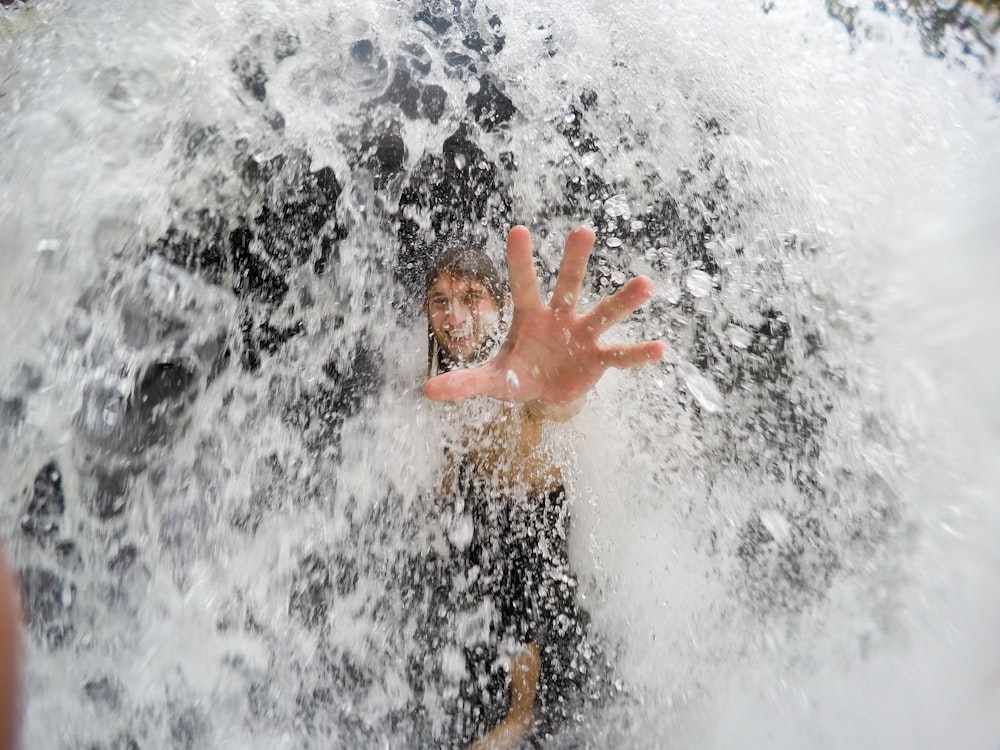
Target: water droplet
{"type": "Point", "coordinates": [460, 160]}
{"type": "Point", "coordinates": [617, 205]}
{"type": "Point", "coordinates": [777, 525]}
{"type": "Point", "coordinates": [613, 242]}
{"type": "Point", "coordinates": [569, 299]}
{"type": "Point", "coordinates": [699, 283]}
{"type": "Point", "coordinates": [704, 390]}
{"type": "Point", "coordinates": [738, 337]}
{"type": "Point", "coordinates": [513, 384]}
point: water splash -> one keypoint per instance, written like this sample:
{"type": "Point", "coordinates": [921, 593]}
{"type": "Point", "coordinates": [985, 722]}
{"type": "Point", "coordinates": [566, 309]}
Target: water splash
{"type": "Point", "coordinates": [217, 217]}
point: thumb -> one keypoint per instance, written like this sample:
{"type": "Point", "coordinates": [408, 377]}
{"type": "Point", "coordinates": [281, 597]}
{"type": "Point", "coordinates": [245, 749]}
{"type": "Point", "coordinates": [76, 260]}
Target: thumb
{"type": "Point", "coordinates": [457, 385]}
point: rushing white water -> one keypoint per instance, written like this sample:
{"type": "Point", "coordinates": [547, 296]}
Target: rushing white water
{"type": "Point", "coordinates": [214, 454]}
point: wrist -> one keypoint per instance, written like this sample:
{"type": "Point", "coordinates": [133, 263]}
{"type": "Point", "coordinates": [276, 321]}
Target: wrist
{"type": "Point", "coordinates": [555, 412]}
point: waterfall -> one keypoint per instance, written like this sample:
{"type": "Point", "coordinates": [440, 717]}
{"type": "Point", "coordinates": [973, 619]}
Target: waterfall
{"type": "Point", "coordinates": [215, 458]}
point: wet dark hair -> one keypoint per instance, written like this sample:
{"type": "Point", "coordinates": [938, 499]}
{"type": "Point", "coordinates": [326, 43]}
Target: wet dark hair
{"type": "Point", "coordinates": [470, 263]}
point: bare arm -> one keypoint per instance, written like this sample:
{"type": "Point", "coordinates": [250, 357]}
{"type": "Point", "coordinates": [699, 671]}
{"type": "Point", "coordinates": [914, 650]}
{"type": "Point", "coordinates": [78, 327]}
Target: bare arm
{"type": "Point", "coordinates": [552, 354]}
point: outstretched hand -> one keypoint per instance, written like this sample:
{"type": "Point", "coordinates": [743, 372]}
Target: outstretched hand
{"type": "Point", "coordinates": [552, 353]}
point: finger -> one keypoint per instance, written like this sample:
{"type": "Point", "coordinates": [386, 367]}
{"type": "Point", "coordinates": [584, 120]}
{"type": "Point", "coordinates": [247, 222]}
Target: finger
{"type": "Point", "coordinates": [619, 305]}
{"type": "Point", "coordinates": [523, 282]}
{"type": "Point", "coordinates": [572, 269]}
{"type": "Point", "coordinates": [457, 385]}
{"type": "Point", "coordinates": [624, 356]}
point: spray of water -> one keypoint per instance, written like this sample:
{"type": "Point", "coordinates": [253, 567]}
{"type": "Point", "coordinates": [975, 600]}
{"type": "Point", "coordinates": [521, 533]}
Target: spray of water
{"type": "Point", "coordinates": [214, 448]}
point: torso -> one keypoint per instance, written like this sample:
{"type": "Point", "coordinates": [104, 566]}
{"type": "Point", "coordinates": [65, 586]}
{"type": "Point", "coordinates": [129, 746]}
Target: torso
{"type": "Point", "coordinates": [505, 445]}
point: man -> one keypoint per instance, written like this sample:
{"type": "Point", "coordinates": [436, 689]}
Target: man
{"type": "Point", "coordinates": [504, 499]}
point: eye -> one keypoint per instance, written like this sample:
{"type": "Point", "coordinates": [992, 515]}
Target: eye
{"type": "Point", "coordinates": [472, 298]}
{"type": "Point", "coordinates": [438, 303]}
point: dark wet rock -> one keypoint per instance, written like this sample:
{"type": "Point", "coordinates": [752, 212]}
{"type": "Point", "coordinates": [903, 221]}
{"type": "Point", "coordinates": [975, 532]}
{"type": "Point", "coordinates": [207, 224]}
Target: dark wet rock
{"type": "Point", "coordinates": [490, 107]}
{"type": "Point", "coordinates": [384, 156]}
{"type": "Point", "coordinates": [123, 559]}
{"type": "Point", "coordinates": [462, 194]}
{"type": "Point", "coordinates": [768, 346]}
{"type": "Point", "coordinates": [286, 44]}
{"type": "Point", "coordinates": [252, 275]}
{"type": "Point", "coordinates": [47, 504]}
{"type": "Point", "coordinates": [264, 337]}
{"type": "Point", "coordinates": [581, 140]}
{"type": "Point", "coordinates": [421, 66]}
{"type": "Point", "coordinates": [68, 555]}
{"type": "Point", "coordinates": [261, 700]}
{"type": "Point", "coordinates": [363, 51]}
{"type": "Point", "coordinates": [415, 100]}
{"type": "Point", "coordinates": [163, 384]}
{"type": "Point", "coordinates": [351, 381]}
{"type": "Point", "coordinates": [256, 173]}
{"type": "Point", "coordinates": [204, 252]}
{"type": "Point", "coordinates": [328, 257]}
{"type": "Point", "coordinates": [201, 140]}
{"type": "Point", "coordinates": [102, 414]}
{"type": "Point", "coordinates": [47, 604]}
{"type": "Point", "coordinates": [312, 591]}
{"type": "Point", "coordinates": [28, 378]}
{"type": "Point", "coordinates": [271, 338]}
{"type": "Point", "coordinates": [346, 575]}
{"type": "Point", "coordinates": [354, 379]}
{"type": "Point", "coordinates": [788, 564]}
{"type": "Point", "coordinates": [251, 74]}
{"type": "Point", "coordinates": [311, 203]}
{"type": "Point", "coordinates": [183, 526]}
{"type": "Point", "coordinates": [433, 100]}
{"type": "Point", "coordinates": [104, 691]}
{"type": "Point", "coordinates": [459, 60]}
{"type": "Point", "coordinates": [124, 742]}
{"type": "Point", "coordinates": [188, 729]}
{"type": "Point", "coordinates": [281, 236]}
{"type": "Point", "coordinates": [12, 411]}
{"type": "Point", "coordinates": [433, 16]}
{"type": "Point", "coordinates": [256, 254]}
{"type": "Point", "coordinates": [417, 50]}
{"type": "Point", "coordinates": [154, 413]}
{"type": "Point", "coordinates": [474, 41]}
{"type": "Point", "coordinates": [275, 119]}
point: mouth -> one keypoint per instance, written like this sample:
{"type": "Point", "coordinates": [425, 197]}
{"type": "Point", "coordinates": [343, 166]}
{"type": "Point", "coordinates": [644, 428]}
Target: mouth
{"type": "Point", "coordinates": [461, 343]}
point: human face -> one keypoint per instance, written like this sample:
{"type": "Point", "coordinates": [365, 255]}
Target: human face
{"type": "Point", "coordinates": [462, 313]}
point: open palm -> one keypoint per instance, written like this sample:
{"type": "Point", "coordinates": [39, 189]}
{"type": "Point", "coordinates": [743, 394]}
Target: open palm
{"type": "Point", "coordinates": [552, 353]}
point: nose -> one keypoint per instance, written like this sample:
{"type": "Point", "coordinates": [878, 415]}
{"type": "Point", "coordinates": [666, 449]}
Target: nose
{"type": "Point", "coordinates": [456, 315]}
